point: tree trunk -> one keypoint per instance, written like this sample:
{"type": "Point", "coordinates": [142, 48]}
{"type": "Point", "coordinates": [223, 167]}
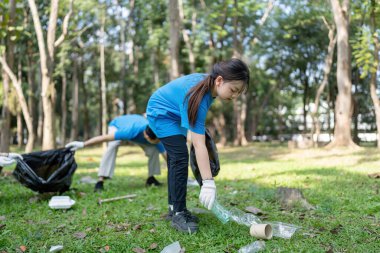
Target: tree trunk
{"type": "Point", "coordinates": [326, 72]}
{"type": "Point", "coordinates": [373, 85]}
{"type": "Point", "coordinates": [186, 37]}
{"type": "Point", "coordinates": [24, 107]}
{"type": "Point", "coordinates": [75, 102]}
{"type": "Point", "coordinates": [124, 26]}
{"type": "Point", "coordinates": [103, 79]}
{"type": "Point", "coordinates": [174, 38]}
{"type": "Point", "coordinates": [343, 105]}
{"type": "Point", "coordinates": [86, 118]}
{"type": "Point", "coordinates": [32, 101]}
{"type": "Point", "coordinates": [220, 125]}
{"type": "Point", "coordinates": [63, 107]}
{"type": "Point", "coordinates": [5, 122]}
{"type": "Point", "coordinates": [46, 52]}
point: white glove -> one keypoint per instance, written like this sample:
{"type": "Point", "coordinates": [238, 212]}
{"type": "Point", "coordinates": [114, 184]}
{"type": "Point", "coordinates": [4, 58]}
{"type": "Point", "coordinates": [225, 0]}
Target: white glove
{"type": "Point", "coordinates": [15, 156]}
{"type": "Point", "coordinates": [208, 193]}
{"type": "Point", "coordinates": [6, 161]}
{"type": "Point", "coordinates": [75, 145]}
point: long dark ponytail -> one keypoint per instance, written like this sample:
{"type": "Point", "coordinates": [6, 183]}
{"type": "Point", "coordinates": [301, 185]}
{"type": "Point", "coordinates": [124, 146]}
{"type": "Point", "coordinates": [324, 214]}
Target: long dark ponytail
{"type": "Point", "coordinates": [231, 70]}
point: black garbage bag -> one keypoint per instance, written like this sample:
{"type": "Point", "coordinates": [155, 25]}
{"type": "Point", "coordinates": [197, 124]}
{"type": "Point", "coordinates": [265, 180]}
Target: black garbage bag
{"type": "Point", "coordinates": [213, 155]}
{"type": "Point", "coordinates": [46, 171]}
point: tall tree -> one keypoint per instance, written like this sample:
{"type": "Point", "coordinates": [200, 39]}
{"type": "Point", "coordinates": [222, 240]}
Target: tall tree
{"type": "Point", "coordinates": [5, 122]}
{"type": "Point", "coordinates": [24, 106]}
{"type": "Point", "coordinates": [47, 52]}
{"type": "Point", "coordinates": [174, 38]}
{"type": "Point", "coordinates": [375, 67]}
{"type": "Point", "coordinates": [103, 87]}
{"type": "Point", "coordinates": [343, 104]}
{"type": "Point", "coordinates": [326, 72]}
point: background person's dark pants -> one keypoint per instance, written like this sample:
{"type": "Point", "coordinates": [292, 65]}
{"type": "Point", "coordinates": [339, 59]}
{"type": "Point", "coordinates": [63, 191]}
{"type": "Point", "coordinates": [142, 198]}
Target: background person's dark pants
{"type": "Point", "coordinates": [178, 161]}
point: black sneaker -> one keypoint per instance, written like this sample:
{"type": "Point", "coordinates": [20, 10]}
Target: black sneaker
{"type": "Point", "coordinates": [99, 186]}
{"type": "Point", "coordinates": [182, 222]}
{"type": "Point", "coordinates": [152, 181]}
{"type": "Point", "coordinates": [193, 218]}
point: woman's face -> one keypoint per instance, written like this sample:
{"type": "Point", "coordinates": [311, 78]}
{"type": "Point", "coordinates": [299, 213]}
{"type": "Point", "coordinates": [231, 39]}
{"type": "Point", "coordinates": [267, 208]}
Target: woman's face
{"type": "Point", "coordinates": [227, 90]}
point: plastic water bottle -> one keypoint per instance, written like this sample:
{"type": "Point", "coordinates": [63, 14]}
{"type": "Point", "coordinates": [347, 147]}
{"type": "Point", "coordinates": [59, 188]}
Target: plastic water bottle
{"type": "Point", "coordinates": [253, 247]}
{"type": "Point", "coordinates": [220, 212]}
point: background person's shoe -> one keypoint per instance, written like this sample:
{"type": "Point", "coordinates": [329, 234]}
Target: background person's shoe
{"type": "Point", "coordinates": [99, 186]}
{"type": "Point", "coordinates": [170, 214]}
{"type": "Point", "coordinates": [181, 221]}
{"type": "Point", "coordinates": [152, 181]}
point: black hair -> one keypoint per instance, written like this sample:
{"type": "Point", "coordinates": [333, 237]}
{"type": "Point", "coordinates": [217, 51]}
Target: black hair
{"type": "Point", "coordinates": [231, 70]}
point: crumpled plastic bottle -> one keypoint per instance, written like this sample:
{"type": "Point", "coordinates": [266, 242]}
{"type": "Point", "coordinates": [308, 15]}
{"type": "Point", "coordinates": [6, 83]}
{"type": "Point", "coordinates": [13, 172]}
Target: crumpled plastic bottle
{"type": "Point", "coordinates": [253, 247]}
{"type": "Point", "coordinates": [220, 212]}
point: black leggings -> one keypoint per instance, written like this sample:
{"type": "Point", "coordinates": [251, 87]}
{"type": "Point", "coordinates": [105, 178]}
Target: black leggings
{"type": "Point", "coordinates": [178, 162]}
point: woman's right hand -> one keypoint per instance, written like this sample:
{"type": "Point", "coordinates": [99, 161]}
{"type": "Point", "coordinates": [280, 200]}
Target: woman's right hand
{"type": "Point", "coordinates": [75, 145]}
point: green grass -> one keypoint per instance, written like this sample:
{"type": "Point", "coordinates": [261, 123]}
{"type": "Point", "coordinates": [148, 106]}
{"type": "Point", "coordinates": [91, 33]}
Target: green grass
{"type": "Point", "coordinates": [346, 218]}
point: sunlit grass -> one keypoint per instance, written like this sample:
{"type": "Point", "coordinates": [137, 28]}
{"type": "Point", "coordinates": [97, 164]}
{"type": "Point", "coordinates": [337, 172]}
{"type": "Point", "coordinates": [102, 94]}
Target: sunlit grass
{"type": "Point", "coordinates": [346, 218]}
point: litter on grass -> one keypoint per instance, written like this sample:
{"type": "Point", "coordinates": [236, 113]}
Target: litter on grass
{"type": "Point", "coordinates": [279, 229]}
{"type": "Point", "coordinates": [61, 202]}
{"type": "Point", "coordinates": [253, 247]}
{"type": "Point", "coordinates": [87, 180]}
{"type": "Point", "coordinates": [175, 247]}
{"type": "Point", "coordinates": [56, 248]}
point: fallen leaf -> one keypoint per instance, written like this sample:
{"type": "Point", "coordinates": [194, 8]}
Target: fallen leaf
{"type": "Point", "coordinates": [23, 248]}
{"type": "Point", "coordinates": [153, 246]}
{"type": "Point", "coordinates": [88, 229]}
{"type": "Point", "coordinates": [2, 218]}
{"type": "Point", "coordinates": [138, 226]}
{"type": "Point", "coordinates": [81, 194]}
{"type": "Point", "coordinates": [106, 248]}
{"type": "Point", "coordinates": [90, 159]}
{"type": "Point", "coordinates": [34, 199]}
{"type": "Point", "coordinates": [138, 250]}
{"type": "Point", "coordinates": [2, 226]}
{"type": "Point", "coordinates": [150, 208]}
{"type": "Point", "coordinates": [301, 216]}
{"type": "Point", "coordinates": [330, 250]}
{"type": "Point", "coordinates": [254, 210]}
{"type": "Point", "coordinates": [374, 175]}
{"type": "Point", "coordinates": [152, 230]}
{"type": "Point", "coordinates": [336, 230]}
{"type": "Point", "coordinates": [79, 235]}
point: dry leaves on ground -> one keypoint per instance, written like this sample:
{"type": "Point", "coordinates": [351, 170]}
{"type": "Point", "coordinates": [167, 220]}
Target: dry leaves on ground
{"type": "Point", "coordinates": [79, 235]}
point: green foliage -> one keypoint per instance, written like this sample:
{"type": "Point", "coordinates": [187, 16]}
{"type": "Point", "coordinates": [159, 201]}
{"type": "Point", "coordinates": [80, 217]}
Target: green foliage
{"type": "Point", "coordinates": [363, 46]}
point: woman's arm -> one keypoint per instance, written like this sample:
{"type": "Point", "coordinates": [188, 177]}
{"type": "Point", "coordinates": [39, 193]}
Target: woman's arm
{"type": "Point", "coordinates": [201, 154]}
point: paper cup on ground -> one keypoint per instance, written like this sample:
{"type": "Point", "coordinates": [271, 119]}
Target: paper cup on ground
{"type": "Point", "coordinates": [261, 231]}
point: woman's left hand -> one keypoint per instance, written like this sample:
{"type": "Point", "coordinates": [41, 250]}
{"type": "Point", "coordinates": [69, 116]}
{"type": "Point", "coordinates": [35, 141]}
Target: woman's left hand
{"type": "Point", "coordinates": [208, 193]}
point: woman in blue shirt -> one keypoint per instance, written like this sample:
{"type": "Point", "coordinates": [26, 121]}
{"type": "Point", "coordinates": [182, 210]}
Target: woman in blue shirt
{"type": "Point", "coordinates": [182, 105]}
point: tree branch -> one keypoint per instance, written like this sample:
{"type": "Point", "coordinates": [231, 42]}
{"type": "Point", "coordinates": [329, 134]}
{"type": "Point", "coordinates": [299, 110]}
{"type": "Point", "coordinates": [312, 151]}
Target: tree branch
{"type": "Point", "coordinates": [65, 25]}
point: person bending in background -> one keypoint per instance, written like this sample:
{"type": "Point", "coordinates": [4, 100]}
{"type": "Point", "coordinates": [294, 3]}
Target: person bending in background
{"type": "Point", "coordinates": [133, 128]}
{"type": "Point", "coordinates": [182, 105]}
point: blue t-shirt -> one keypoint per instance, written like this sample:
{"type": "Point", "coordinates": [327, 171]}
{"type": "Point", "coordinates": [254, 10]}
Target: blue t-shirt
{"type": "Point", "coordinates": [167, 107]}
{"type": "Point", "coordinates": [131, 127]}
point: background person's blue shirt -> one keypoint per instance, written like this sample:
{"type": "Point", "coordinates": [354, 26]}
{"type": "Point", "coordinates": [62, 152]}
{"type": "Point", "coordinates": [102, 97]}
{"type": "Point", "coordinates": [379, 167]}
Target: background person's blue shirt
{"type": "Point", "coordinates": [167, 107]}
{"type": "Point", "coordinates": [131, 128]}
